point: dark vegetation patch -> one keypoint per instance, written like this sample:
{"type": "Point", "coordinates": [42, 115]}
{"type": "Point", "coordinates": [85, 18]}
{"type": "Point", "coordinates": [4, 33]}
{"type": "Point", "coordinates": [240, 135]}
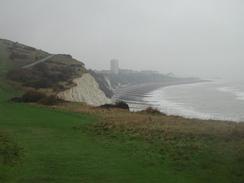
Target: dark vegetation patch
{"type": "Point", "coordinates": [33, 96]}
{"type": "Point", "coordinates": [55, 74]}
{"type": "Point", "coordinates": [11, 155]}
{"type": "Point", "coordinates": [151, 110]}
{"type": "Point", "coordinates": [10, 152]}
{"type": "Point", "coordinates": [117, 105]}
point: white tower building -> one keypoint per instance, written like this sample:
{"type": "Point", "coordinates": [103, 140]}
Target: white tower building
{"type": "Point", "coordinates": [114, 66]}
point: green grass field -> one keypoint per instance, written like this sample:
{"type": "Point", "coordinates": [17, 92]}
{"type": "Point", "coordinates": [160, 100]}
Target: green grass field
{"type": "Point", "coordinates": [55, 151]}
{"type": "Point", "coordinates": [59, 146]}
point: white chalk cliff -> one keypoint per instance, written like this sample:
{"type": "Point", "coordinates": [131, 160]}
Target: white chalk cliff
{"type": "Point", "coordinates": [86, 90]}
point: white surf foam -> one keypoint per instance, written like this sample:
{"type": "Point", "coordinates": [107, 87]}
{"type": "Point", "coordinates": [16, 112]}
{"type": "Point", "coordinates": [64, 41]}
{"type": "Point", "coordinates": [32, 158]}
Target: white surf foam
{"type": "Point", "coordinates": [234, 91]}
{"type": "Point", "coordinates": [180, 109]}
{"type": "Point", "coordinates": [158, 98]}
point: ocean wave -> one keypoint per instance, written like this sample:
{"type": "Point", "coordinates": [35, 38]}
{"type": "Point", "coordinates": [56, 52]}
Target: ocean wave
{"type": "Point", "coordinates": [234, 91]}
{"type": "Point", "coordinates": [172, 108]}
{"type": "Point", "coordinates": [166, 105]}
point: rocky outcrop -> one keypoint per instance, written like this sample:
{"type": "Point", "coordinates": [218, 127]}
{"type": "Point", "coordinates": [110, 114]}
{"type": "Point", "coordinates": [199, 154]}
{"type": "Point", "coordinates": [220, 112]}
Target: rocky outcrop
{"type": "Point", "coordinates": [86, 90]}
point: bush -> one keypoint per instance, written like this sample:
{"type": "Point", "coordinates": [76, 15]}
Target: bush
{"type": "Point", "coordinates": [33, 96]}
{"type": "Point", "coordinates": [50, 100]}
{"type": "Point", "coordinates": [118, 105]}
{"type": "Point", "coordinates": [16, 99]}
{"type": "Point", "coordinates": [151, 110]}
{"type": "Point", "coordinates": [37, 97]}
{"type": "Point", "coordinates": [122, 105]}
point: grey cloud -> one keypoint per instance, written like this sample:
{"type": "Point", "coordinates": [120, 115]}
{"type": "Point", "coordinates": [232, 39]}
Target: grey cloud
{"type": "Point", "coordinates": [188, 37]}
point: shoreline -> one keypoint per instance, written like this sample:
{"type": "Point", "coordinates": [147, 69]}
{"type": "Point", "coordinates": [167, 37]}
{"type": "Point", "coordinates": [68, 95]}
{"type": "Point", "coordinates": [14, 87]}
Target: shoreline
{"type": "Point", "coordinates": [134, 95]}
{"type": "Point", "coordinates": [139, 97]}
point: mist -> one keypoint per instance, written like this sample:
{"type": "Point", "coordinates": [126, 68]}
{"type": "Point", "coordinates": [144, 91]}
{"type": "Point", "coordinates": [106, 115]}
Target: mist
{"type": "Point", "coordinates": [186, 37]}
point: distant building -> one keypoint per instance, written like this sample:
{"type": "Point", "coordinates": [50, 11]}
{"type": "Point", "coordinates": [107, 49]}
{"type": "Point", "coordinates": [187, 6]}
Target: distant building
{"type": "Point", "coordinates": [114, 66]}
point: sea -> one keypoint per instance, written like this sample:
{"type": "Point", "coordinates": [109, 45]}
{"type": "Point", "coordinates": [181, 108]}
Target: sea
{"type": "Point", "coordinates": [217, 100]}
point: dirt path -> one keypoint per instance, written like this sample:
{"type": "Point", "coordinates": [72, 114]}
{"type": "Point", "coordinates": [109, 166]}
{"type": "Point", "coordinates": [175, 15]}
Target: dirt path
{"type": "Point", "coordinates": [37, 62]}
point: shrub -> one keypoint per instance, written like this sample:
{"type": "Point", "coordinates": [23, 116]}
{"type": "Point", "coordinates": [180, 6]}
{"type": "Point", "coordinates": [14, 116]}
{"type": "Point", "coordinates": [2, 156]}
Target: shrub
{"type": "Point", "coordinates": [16, 99]}
{"type": "Point", "coordinates": [151, 110]}
{"type": "Point", "coordinates": [122, 105]}
{"type": "Point", "coordinates": [50, 100]}
{"type": "Point", "coordinates": [118, 105]}
{"type": "Point", "coordinates": [33, 96]}
{"type": "Point", "coordinates": [37, 97]}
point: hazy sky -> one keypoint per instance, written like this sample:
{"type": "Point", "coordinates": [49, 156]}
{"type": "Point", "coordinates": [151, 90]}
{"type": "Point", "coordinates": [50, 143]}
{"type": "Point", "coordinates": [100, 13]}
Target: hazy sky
{"type": "Point", "coordinates": [188, 37]}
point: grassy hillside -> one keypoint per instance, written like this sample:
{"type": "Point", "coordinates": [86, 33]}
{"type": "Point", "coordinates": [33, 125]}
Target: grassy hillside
{"type": "Point", "coordinates": [53, 75]}
{"type": "Point", "coordinates": [77, 143]}
{"type": "Point", "coordinates": [59, 146]}
{"type": "Point", "coordinates": [5, 60]}
{"type": "Point", "coordinates": [19, 54]}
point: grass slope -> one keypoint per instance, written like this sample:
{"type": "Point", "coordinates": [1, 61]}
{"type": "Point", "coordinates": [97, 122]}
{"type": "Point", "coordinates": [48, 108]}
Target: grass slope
{"type": "Point", "coordinates": [54, 75]}
{"type": "Point", "coordinates": [54, 151]}
{"type": "Point", "coordinates": [60, 146]}
{"type": "Point", "coordinates": [4, 60]}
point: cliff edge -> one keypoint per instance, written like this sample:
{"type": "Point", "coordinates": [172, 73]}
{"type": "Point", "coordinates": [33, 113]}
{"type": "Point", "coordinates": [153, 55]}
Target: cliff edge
{"type": "Point", "coordinates": [52, 74]}
{"type": "Point", "coordinates": [86, 90]}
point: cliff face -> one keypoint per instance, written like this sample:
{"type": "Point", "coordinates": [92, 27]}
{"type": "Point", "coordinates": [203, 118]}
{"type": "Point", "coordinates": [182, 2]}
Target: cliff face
{"type": "Point", "coordinates": [59, 74]}
{"type": "Point", "coordinates": [86, 90]}
{"type": "Point", "coordinates": [109, 82]}
{"type": "Point", "coordinates": [104, 83]}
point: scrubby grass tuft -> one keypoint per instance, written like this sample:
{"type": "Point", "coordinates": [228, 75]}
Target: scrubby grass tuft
{"type": "Point", "coordinates": [210, 151]}
{"type": "Point", "coordinates": [10, 152]}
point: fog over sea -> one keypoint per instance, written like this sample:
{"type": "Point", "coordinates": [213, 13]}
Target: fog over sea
{"type": "Point", "coordinates": [220, 100]}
